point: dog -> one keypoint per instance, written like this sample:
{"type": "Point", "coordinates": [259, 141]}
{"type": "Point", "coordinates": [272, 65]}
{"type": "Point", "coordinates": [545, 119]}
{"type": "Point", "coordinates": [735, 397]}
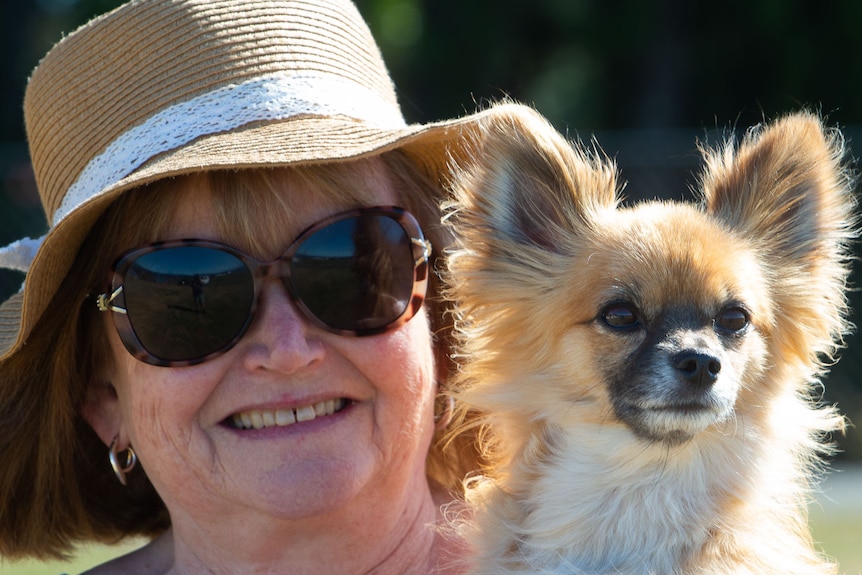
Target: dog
{"type": "Point", "coordinates": [644, 380]}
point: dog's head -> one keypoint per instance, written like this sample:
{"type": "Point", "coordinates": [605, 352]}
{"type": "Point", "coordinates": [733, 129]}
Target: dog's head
{"type": "Point", "coordinates": [678, 308]}
{"type": "Point", "coordinates": [667, 318]}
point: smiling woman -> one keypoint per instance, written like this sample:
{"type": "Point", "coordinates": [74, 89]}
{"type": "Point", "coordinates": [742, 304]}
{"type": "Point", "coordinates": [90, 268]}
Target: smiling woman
{"type": "Point", "coordinates": [227, 323]}
{"type": "Point", "coordinates": [284, 363]}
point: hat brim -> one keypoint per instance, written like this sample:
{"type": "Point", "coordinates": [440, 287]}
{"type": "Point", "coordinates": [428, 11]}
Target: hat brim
{"type": "Point", "coordinates": [299, 140]}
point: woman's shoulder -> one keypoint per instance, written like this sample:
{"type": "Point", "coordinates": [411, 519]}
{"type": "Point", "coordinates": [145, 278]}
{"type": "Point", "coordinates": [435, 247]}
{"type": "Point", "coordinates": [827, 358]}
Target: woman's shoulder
{"type": "Point", "coordinates": [154, 558]}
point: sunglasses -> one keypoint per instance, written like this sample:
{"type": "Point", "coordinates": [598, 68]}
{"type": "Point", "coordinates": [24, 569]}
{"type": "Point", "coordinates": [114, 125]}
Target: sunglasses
{"type": "Point", "coordinates": [183, 302]}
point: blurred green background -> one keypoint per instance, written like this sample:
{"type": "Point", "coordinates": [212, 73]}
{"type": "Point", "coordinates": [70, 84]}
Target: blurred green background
{"type": "Point", "coordinates": [646, 78]}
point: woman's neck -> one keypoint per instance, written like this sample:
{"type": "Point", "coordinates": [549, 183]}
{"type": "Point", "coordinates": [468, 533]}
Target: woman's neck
{"type": "Point", "coordinates": [379, 539]}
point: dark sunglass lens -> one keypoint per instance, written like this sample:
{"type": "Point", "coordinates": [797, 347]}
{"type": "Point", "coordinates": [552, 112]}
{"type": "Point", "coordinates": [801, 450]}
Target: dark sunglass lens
{"type": "Point", "coordinates": [356, 274]}
{"type": "Point", "coordinates": [187, 302]}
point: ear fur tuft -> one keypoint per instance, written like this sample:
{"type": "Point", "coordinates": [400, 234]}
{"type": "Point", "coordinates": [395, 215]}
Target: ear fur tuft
{"type": "Point", "coordinates": [527, 183]}
{"type": "Point", "coordinates": [786, 187]}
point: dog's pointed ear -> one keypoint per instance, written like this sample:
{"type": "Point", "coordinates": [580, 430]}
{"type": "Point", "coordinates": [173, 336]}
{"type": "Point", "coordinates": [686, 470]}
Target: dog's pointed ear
{"type": "Point", "coordinates": [786, 188]}
{"type": "Point", "coordinates": [525, 182]}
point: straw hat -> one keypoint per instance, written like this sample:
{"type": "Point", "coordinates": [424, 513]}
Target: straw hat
{"type": "Point", "coordinates": [158, 88]}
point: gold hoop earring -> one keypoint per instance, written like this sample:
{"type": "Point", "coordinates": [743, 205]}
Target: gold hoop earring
{"type": "Point", "coordinates": [442, 419]}
{"type": "Point", "coordinates": [113, 456]}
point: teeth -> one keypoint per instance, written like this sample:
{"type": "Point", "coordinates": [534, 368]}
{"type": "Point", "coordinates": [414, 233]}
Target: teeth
{"type": "Point", "coordinates": [305, 414]}
{"type": "Point", "coordinates": [258, 419]}
{"type": "Point", "coordinates": [285, 417]}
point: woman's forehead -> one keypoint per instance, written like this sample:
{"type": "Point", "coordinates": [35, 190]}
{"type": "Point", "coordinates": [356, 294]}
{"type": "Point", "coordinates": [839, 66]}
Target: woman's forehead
{"type": "Point", "coordinates": [263, 210]}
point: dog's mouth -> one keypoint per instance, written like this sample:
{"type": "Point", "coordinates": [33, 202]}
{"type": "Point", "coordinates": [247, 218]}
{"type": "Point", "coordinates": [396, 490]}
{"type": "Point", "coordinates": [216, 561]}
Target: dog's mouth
{"type": "Point", "coordinates": [685, 408]}
{"type": "Point", "coordinates": [673, 422]}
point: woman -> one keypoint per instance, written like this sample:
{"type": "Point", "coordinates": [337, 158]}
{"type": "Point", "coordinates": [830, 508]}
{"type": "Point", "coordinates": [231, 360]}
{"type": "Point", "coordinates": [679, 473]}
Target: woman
{"type": "Point", "coordinates": [258, 391]}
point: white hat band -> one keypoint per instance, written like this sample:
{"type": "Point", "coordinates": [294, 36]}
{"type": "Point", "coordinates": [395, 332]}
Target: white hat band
{"type": "Point", "coordinates": [19, 254]}
{"type": "Point", "coordinates": [277, 96]}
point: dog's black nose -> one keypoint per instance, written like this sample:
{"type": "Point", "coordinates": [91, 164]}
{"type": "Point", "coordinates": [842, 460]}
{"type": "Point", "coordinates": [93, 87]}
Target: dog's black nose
{"type": "Point", "coordinates": [697, 367]}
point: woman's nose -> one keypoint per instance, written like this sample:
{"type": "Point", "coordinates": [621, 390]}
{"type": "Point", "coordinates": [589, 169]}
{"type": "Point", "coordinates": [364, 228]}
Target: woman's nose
{"type": "Point", "coordinates": [281, 338]}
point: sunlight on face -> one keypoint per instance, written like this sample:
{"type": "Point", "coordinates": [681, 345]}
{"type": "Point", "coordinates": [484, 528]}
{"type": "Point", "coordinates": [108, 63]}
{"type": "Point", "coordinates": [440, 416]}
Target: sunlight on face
{"type": "Point", "coordinates": [333, 421]}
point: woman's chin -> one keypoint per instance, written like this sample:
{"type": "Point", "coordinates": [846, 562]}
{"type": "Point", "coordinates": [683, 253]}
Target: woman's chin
{"type": "Point", "coordinates": [301, 470]}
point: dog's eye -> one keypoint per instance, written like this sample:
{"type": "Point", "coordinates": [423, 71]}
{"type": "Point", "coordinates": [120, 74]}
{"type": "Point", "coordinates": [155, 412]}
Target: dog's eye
{"type": "Point", "coordinates": [620, 315]}
{"type": "Point", "coordinates": [733, 319]}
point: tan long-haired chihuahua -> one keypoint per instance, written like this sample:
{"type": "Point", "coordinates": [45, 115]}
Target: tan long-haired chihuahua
{"type": "Point", "coordinates": [644, 380]}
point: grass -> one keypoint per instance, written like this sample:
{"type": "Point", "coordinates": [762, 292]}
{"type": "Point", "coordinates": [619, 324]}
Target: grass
{"type": "Point", "coordinates": [836, 520]}
{"type": "Point", "coordinates": [841, 539]}
{"type": "Point", "coordinates": [86, 558]}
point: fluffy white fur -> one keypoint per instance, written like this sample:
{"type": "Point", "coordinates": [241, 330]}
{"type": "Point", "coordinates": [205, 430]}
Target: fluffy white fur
{"type": "Point", "coordinates": [600, 461]}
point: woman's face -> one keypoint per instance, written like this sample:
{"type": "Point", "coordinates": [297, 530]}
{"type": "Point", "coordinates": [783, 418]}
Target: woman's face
{"type": "Point", "coordinates": [180, 421]}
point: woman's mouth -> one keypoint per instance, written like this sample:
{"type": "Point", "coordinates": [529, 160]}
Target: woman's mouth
{"type": "Point", "coordinates": [261, 418]}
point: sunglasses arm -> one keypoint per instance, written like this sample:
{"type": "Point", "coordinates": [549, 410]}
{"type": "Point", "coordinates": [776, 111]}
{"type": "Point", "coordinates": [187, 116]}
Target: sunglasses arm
{"type": "Point", "coordinates": [424, 245]}
{"type": "Point", "coordinates": [105, 302]}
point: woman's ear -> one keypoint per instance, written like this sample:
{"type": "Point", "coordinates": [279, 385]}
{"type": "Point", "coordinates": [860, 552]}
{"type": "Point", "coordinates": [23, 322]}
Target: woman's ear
{"type": "Point", "coordinates": [101, 409]}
